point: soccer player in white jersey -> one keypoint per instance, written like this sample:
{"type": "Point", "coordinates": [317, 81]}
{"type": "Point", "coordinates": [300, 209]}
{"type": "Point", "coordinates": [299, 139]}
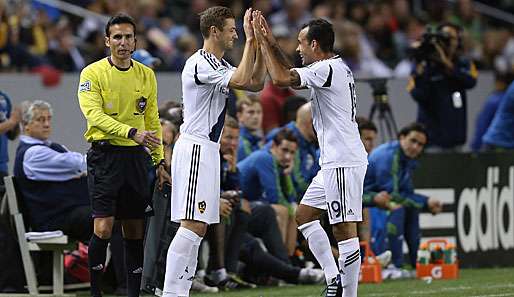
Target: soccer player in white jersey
{"type": "Point", "coordinates": [195, 194]}
{"type": "Point", "coordinates": [338, 185]}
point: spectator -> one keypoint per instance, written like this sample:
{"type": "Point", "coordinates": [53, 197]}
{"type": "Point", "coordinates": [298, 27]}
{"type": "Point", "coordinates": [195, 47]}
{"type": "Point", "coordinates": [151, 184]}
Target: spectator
{"type": "Point", "coordinates": [438, 84]}
{"type": "Point", "coordinates": [265, 176]}
{"type": "Point", "coordinates": [63, 53]}
{"type": "Point", "coordinates": [486, 115]}
{"type": "Point", "coordinates": [9, 129]}
{"type": "Point", "coordinates": [368, 133]}
{"type": "Point", "coordinates": [249, 115]}
{"type": "Point", "coordinates": [390, 169]}
{"type": "Point", "coordinates": [350, 41]}
{"type": "Point", "coordinates": [306, 158]}
{"type": "Point", "coordinates": [272, 101]}
{"type": "Point", "coordinates": [144, 57]}
{"type": "Point", "coordinates": [500, 135]}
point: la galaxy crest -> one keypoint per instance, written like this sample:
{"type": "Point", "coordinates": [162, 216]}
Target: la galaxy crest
{"type": "Point", "coordinates": [202, 206]}
{"type": "Point", "coordinates": [141, 104]}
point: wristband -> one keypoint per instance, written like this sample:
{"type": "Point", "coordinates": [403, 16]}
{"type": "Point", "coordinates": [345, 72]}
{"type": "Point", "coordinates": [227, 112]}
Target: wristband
{"type": "Point", "coordinates": [131, 133]}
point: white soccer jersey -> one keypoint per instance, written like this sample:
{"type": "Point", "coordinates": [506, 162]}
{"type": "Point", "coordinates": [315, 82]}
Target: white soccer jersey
{"type": "Point", "coordinates": [333, 112]}
{"type": "Point", "coordinates": [204, 95]}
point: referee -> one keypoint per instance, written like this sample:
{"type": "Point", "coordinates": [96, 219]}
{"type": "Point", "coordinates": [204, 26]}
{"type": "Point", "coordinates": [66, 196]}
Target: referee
{"type": "Point", "coordinates": [118, 97]}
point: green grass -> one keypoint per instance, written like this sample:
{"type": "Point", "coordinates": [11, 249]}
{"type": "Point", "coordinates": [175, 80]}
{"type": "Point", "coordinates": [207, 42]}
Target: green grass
{"type": "Point", "coordinates": [471, 283]}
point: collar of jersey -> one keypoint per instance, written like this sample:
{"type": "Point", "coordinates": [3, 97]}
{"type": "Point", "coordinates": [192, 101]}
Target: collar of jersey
{"type": "Point", "coordinates": [119, 68]}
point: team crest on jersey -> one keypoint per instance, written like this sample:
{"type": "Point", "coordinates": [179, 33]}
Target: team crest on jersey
{"type": "Point", "coordinates": [202, 206]}
{"type": "Point", "coordinates": [85, 86]}
{"type": "Point", "coordinates": [141, 104]}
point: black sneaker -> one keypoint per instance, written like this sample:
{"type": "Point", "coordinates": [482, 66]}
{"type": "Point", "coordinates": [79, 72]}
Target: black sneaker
{"type": "Point", "coordinates": [335, 288]}
{"type": "Point", "coordinates": [233, 282]}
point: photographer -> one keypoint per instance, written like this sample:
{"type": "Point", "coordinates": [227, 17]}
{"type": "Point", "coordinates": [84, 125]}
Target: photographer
{"type": "Point", "coordinates": [438, 84]}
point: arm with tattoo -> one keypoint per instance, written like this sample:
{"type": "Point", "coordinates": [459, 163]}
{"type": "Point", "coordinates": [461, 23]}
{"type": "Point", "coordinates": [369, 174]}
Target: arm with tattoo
{"type": "Point", "coordinates": [279, 68]}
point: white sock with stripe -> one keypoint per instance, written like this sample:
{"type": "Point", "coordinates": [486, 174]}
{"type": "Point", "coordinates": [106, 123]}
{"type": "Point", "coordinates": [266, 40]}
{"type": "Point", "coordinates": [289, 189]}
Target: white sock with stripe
{"type": "Point", "coordinates": [180, 255]}
{"type": "Point", "coordinates": [320, 248]}
{"type": "Point", "coordinates": [350, 265]}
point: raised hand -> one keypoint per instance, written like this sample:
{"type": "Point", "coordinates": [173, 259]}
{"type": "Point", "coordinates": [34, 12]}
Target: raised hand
{"type": "Point", "coordinates": [247, 24]}
{"type": "Point", "coordinates": [266, 30]}
{"type": "Point", "coordinates": [256, 15]}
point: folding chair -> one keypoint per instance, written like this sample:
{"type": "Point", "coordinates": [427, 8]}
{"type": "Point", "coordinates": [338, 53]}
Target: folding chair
{"type": "Point", "coordinates": [56, 245]}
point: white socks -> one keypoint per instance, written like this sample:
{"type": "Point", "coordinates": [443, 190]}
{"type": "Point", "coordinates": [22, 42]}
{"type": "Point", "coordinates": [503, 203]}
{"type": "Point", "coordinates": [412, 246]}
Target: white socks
{"type": "Point", "coordinates": [350, 264]}
{"type": "Point", "coordinates": [181, 263]}
{"type": "Point", "coordinates": [320, 248]}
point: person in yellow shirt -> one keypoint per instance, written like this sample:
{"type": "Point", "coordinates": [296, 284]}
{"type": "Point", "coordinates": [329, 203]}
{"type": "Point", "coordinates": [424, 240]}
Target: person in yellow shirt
{"type": "Point", "coordinates": [118, 97]}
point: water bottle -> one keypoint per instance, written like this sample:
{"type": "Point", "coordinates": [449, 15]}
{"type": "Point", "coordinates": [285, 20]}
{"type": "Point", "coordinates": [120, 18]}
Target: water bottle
{"type": "Point", "coordinates": [423, 254]}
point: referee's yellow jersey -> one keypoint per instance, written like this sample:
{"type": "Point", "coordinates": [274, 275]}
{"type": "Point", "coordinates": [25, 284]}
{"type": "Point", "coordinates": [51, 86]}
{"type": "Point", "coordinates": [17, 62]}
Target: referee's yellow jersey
{"type": "Point", "coordinates": [115, 100]}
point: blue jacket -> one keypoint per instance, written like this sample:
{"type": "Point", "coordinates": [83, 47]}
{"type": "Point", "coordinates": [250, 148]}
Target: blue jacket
{"type": "Point", "coordinates": [5, 113]}
{"type": "Point", "coordinates": [442, 102]}
{"type": "Point", "coordinates": [306, 158]}
{"type": "Point", "coordinates": [379, 176]}
{"type": "Point", "coordinates": [229, 180]}
{"type": "Point", "coordinates": [260, 179]}
{"type": "Point", "coordinates": [501, 130]}
{"type": "Point", "coordinates": [485, 118]}
{"type": "Point", "coordinates": [248, 143]}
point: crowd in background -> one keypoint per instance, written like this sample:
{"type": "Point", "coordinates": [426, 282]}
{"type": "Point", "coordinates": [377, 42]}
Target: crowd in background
{"type": "Point", "coordinates": [374, 36]}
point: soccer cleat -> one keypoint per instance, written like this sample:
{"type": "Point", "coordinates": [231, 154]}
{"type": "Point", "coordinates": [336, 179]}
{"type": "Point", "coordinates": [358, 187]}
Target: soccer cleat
{"type": "Point", "coordinates": [199, 286]}
{"type": "Point", "coordinates": [335, 288]}
{"type": "Point", "coordinates": [233, 282]}
{"type": "Point", "coordinates": [311, 276]}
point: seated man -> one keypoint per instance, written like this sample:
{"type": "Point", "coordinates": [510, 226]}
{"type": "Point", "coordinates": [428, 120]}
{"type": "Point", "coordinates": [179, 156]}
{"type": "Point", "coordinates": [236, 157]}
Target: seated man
{"type": "Point", "coordinates": [306, 163]}
{"type": "Point", "coordinates": [229, 241]}
{"type": "Point", "coordinates": [226, 237]}
{"type": "Point", "coordinates": [390, 169]}
{"type": "Point", "coordinates": [51, 178]}
{"type": "Point", "coordinates": [249, 115]}
{"type": "Point", "coordinates": [265, 176]}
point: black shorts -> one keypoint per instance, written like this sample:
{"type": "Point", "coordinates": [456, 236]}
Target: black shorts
{"type": "Point", "coordinates": [118, 180]}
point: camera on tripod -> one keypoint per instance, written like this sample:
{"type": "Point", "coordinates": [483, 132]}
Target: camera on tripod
{"type": "Point", "coordinates": [426, 50]}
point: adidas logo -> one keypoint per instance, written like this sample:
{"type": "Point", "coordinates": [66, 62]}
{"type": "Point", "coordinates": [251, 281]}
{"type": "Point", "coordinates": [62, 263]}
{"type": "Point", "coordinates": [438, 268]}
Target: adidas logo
{"type": "Point", "coordinates": [98, 267]}
{"type": "Point", "coordinates": [148, 208]}
{"type": "Point", "coordinates": [350, 212]}
{"type": "Point", "coordinates": [138, 270]}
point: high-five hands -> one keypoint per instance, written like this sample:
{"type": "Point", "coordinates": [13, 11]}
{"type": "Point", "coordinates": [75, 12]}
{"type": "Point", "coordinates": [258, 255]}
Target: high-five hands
{"type": "Point", "coordinates": [247, 25]}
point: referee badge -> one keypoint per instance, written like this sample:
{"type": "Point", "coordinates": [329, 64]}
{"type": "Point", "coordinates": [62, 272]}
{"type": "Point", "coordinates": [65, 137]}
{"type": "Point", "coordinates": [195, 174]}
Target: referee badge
{"type": "Point", "coordinates": [202, 206]}
{"type": "Point", "coordinates": [141, 104]}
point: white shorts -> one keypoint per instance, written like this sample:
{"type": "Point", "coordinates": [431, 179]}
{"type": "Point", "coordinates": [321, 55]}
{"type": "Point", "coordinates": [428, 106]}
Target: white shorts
{"type": "Point", "coordinates": [338, 190]}
{"type": "Point", "coordinates": [195, 180]}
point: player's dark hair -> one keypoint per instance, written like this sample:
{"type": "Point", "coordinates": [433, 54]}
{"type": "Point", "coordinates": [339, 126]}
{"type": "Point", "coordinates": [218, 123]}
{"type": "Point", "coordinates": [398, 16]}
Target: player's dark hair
{"type": "Point", "coordinates": [321, 31]}
{"type": "Point", "coordinates": [417, 127]}
{"type": "Point", "coordinates": [365, 124]}
{"type": "Point", "coordinates": [214, 16]}
{"type": "Point", "coordinates": [284, 134]}
{"type": "Point", "coordinates": [120, 18]}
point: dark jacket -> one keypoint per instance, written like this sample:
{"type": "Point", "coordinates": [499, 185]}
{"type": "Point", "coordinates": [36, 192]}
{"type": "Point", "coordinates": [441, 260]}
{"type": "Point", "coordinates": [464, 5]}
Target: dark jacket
{"type": "Point", "coordinates": [442, 101]}
{"type": "Point", "coordinates": [46, 201]}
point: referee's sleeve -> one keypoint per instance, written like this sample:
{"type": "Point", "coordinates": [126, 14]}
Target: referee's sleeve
{"type": "Point", "coordinates": [91, 104]}
{"type": "Point", "coordinates": [152, 122]}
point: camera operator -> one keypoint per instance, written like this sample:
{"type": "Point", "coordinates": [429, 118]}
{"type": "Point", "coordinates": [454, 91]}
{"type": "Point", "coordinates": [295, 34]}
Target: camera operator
{"type": "Point", "coordinates": [438, 84]}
